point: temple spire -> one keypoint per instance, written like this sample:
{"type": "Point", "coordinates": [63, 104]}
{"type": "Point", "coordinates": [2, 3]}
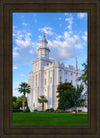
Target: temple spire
{"type": "Point", "coordinates": [44, 41]}
{"type": "Point", "coordinates": [43, 50]}
{"type": "Point", "coordinates": [44, 34]}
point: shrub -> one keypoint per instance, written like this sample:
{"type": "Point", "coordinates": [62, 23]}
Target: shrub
{"type": "Point", "coordinates": [51, 110]}
{"type": "Point", "coordinates": [59, 110]}
{"type": "Point", "coordinates": [35, 110]}
{"type": "Point", "coordinates": [17, 110]}
{"type": "Point", "coordinates": [74, 111]}
{"type": "Point", "coordinates": [27, 109]}
{"type": "Point", "coordinates": [47, 110]}
{"type": "Point", "coordinates": [79, 110]}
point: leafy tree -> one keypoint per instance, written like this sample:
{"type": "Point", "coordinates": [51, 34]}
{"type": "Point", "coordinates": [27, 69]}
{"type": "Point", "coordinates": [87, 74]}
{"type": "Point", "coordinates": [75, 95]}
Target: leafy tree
{"type": "Point", "coordinates": [78, 100]}
{"type": "Point", "coordinates": [70, 96]}
{"type": "Point", "coordinates": [64, 91]}
{"type": "Point", "coordinates": [24, 88]}
{"type": "Point", "coordinates": [15, 106]}
{"type": "Point", "coordinates": [18, 103]}
{"type": "Point", "coordinates": [42, 100]}
{"type": "Point", "coordinates": [84, 77]}
{"type": "Point", "coordinates": [85, 74]}
{"type": "Point", "coordinates": [14, 98]}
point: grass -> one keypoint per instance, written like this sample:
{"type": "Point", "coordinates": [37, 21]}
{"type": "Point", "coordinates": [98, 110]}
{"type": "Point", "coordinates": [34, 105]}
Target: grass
{"type": "Point", "coordinates": [49, 119]}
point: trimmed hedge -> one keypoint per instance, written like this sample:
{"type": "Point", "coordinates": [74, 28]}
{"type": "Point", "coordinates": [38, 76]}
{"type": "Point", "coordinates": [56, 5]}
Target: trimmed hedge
{"type": "Point", "coordinates": [49, 110]}
{"type": "Point", "coordinates": [17, 110]}
{"type": "Point", "coordinates": [35, 110]}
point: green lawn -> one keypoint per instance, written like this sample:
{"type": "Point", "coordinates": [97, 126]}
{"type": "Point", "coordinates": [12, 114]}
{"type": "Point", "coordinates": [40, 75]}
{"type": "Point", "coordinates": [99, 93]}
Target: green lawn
{"type": "Point", "coordinates": [49, 119]}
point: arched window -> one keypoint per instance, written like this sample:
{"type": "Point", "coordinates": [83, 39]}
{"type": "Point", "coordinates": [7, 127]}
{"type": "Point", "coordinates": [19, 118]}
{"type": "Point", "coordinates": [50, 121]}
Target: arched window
{"type": "Point", "coordinates": [71, 81]}
{"type": "Point", "coordinates": [60, 78]}
{"type": "Point", "coordinates": [71, 74]}
{"type": "Point", "coordinates": [65, 80]}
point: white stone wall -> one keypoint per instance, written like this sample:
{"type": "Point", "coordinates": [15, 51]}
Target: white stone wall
{"type": "Point", "coordinates": [45, 82]}
{"type": "Point", "coordinates": [45, 78]}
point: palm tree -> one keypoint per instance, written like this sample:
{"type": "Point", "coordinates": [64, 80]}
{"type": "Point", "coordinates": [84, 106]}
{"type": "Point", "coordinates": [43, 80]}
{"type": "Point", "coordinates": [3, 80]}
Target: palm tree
{"type": "Point", "coordinates": [24, 88]}
{"type": "Point", "coordinates": [42, 100]}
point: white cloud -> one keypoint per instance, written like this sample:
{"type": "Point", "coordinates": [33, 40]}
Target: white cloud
{"type": "Point", "coordinates": [40, 37]}
{"type": "Point", "coordinates": [23, 40]}
{"type": "Point", "coordinates": [59, 18]}
{"type": "Point", "coordinates": [22, 75]}
{"type": "Point", "coordinates": [67, 53]}
{"type": "Point", "coordinates": [14, 27]}
{"type": "Point", "coordinates": [23, 43]}
{"type": "Point", "coordinates": [23, 48]}
{"type": "Point", "coordinates": [60, 25]}
{"type": "Point", "coordinates": [71, 40]}
{"type": "Point", "coordinates": [33, 52]}
{"type": "Point", "coordinates": [62, 46]}
{"type": "Point", "coordinates": [22, 61]}
{"type": "Point", "coordinates": [47, 30]}
{"type": "Point", "coordinates": [25, 24]}
{"type": "Point", "coordinates": [14, 34]}
{"type": "Point", "coordinates": [36, 44]}
{"type": "Point", "coordinates": [15, 67]}
{"type": "Point", "coordinates": [35, 20]}
{"type": "Point", "coordinates": [70, 21]}
{"type": "Point", "coordinates": [78, 46]}
{"type": "Point", "coordinates": [84, 37]}
{"type": "Point", "coordinates": [85, 33]}
{"type": "Point", "coordinates": [65, 14]}
{"type": "Point", "coordinates": [65, 40]}
{"type": "Point", "coordinates": [15, 52]}
{"type": "Point", "coordinates": [81, 15]}
{"type": "Point", "coordinates": [59, 37]}
{"type": "Point", "coordinates": [65, 46]}
{"type": "Point", "coordinates": [63, 53]}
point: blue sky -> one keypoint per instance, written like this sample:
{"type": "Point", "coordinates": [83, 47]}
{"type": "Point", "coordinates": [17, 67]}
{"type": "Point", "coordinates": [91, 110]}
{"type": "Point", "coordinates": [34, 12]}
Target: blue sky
{"type": "Point", "coordinates": [66, 34]}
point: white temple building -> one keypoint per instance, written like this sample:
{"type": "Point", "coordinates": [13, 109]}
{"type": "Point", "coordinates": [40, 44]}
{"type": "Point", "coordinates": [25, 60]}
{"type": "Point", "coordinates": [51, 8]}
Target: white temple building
{"type": "Point", "coordinates": [46, 76]}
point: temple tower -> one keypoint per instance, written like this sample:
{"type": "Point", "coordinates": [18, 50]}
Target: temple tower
{"type": "Point", "coordinates": [43, 50]}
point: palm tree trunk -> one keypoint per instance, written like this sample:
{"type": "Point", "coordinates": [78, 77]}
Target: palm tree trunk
{"type": "Point", "coordinates": [24, 102]}
{"type": "Point", "coordinates": [42, 106]}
